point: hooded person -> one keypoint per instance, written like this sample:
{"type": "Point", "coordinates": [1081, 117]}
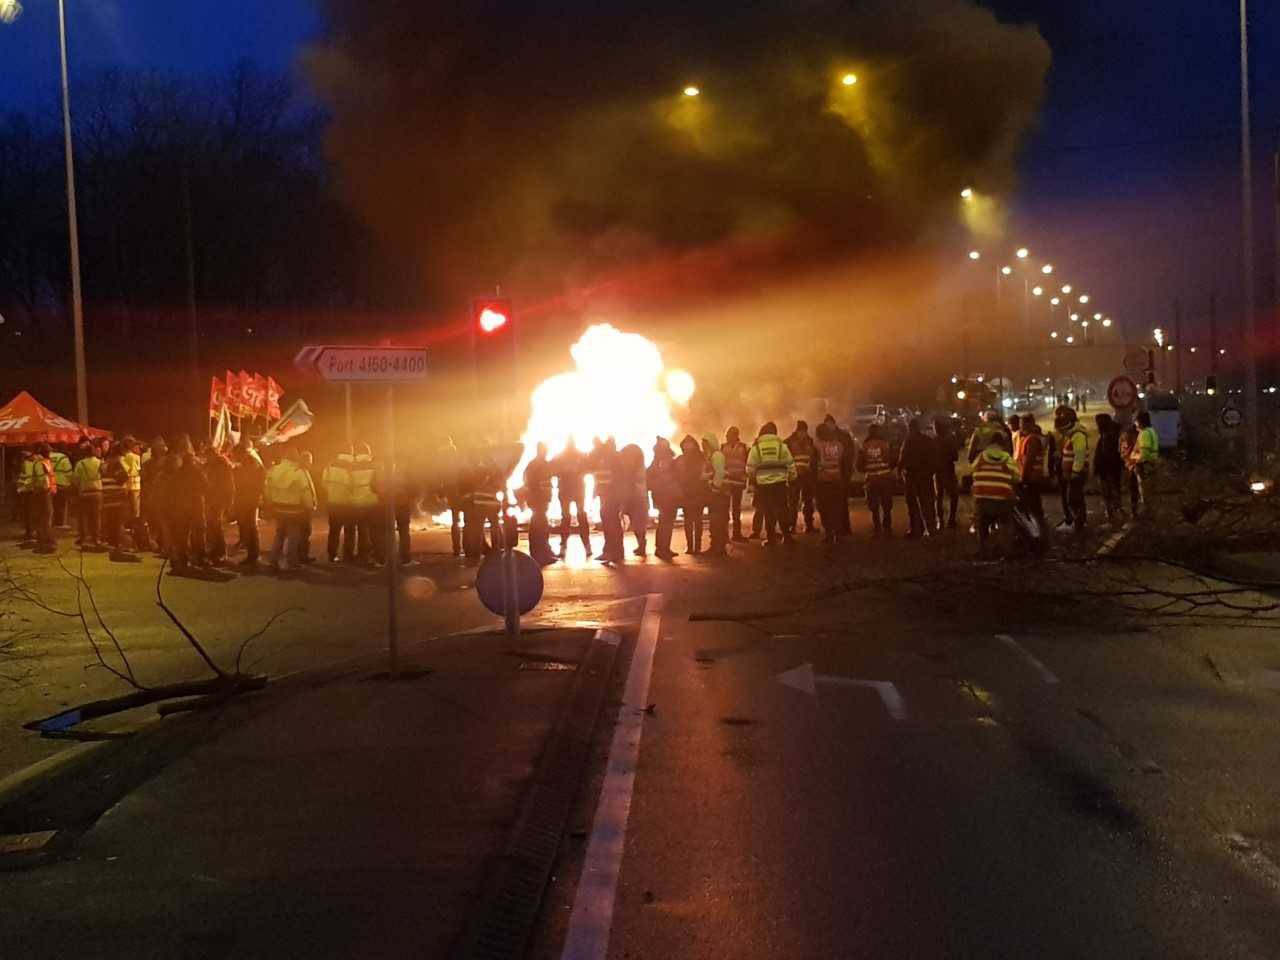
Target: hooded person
{"type": "Point", "coordinates": [735, 465]}
{"type": "Point", "coordinates": [875, 465]}
{"type": "Point", "coordinates": [800, 495]}
{"type": "Point", "coordinates": [772, 468]}
{"type": "Point", "coordinates": [634, 495]}
{"type": "Point", "coordinates": [1108, 466]}
{"type": "Point", "coordinates": [715, 479]}
{"type": "Point", "coordinates": [153, 494]}
{"type": "Point", "coordinates": [537, 493]}
{"type": "Point", "coordinates": [851, 451]}
{"type": "Point", "coordinates": [829, 484]}
{"type": "Point", "coordinates": [693, 498]}
{"type": "Point", "coordinates": [663, 479]}
{"type": "Point", "coordinates": [916, 462]}
{"type": "Point", "coordinates": [605, 467]}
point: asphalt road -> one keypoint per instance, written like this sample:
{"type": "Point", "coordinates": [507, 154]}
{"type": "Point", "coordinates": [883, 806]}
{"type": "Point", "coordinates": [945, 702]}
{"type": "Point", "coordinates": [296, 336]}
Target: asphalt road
{"type": "Point", "coordinates": [943, 763]}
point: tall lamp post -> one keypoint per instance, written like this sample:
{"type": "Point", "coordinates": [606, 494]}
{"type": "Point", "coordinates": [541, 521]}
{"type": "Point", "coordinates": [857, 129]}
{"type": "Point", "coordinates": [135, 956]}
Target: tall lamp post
{"type": "Point", "coordinates": [1246, 200]}
{"type": "Point", "coordinates": [77, 312]}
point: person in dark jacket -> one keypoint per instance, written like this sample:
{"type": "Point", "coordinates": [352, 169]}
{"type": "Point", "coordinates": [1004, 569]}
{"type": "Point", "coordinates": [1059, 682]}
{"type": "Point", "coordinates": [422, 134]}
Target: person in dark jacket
{"type": "Point", "coordinates": [1108, 466]}
{"type": "Point", "coordinates": [220, 495]}
{"type": "Point", "coordinates": [689, 467]}
{"type": "Point", "coordinates": [569, 468]}
{"type": "Point", "coordinates": [248, 478]}
{"type": "Point", "coordinates": [917, 462]}
{"type": "Point", "coordinates": [945, 485]}
{"type": "Point", "coordinates": [634, 495]}
{"type": "Point", "coordinates": [153, 494]}
{"type": "Point", "coordinates": [663, 478]}
{"type": "Point", "coordinates": [537, 493]}
{"type": "Point", "coordinates": [115, 500]}
{"type": "Point", "coordinates": [850, 455]}
{"type": "Point", "coordinates": [185, 505]}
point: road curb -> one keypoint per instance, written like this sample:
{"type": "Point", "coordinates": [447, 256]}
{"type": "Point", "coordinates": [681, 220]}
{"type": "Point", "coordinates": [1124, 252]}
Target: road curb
{"type": "Point", "coordinates": [501, 926]}
{"type": "Point", "coordinates": [21, 782]}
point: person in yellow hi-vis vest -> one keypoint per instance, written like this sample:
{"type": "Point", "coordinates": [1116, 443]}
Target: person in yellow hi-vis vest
{"type": "Point", "coordinates": [1144, 457]}
{"type": "Point", "coordinates": [995, 480]}
{"type": "Point", "coordinates": [1074, 444]}
{"type": "Point", "coordinates": [292, 499]}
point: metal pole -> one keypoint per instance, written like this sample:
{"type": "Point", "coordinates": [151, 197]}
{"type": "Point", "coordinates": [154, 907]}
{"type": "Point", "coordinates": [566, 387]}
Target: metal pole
{"type": "Point", "coordinates": [510, 592]}
{"type": "Point", "coordinates": [1177, 347]}
{"type": "Point", "coordinates": [1213, 334]}
{"type": "Point", "coordinates": [392, 548]}
{"type": "Point", "coordinates": [1246, 204]}
{"type": "Point", "coordinates": [77, 313]}
{"type": "Point", "coordinates": [346, 390]}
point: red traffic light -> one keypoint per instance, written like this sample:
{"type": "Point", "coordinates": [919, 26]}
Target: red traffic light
{"type": "Point", "coordinates": [490, 316]}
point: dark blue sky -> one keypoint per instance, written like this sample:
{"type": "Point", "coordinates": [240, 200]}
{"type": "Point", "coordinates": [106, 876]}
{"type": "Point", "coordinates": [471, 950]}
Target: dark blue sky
{"type": "Point", "coordinates": [1130, 181]}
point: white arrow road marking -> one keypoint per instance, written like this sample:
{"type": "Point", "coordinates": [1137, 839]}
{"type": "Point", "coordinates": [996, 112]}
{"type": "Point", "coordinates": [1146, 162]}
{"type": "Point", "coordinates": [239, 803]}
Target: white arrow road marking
{"type": "Point", "coordinates": [1046, 674]}
{"type": "Point", "coordinates": [803, 678]}
{"type": "Point", "coordinates": [592, 916]}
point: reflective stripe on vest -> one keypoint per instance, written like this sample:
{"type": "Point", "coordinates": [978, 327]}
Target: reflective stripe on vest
{"type": "Point", "coordinates": [993, 478]}
{"type": "Point", "coordinates": [88, 475]}
{"type": "Point", "coordinates": [877, 458]}
{"type": "Point", "coordinates": [287, 485]}
{"type": "Point", "coordinates": [1068, 448]}
{"type": "Point", "coordinates": [337, 481]}
{"type": "Point", "coordinates": [735, 463]}
{"type": "Point", "coordinates": [61, 469]}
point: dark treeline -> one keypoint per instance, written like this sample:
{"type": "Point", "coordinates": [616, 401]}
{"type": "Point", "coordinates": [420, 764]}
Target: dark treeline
{"type": "Point", "coordinates": [237, 165]}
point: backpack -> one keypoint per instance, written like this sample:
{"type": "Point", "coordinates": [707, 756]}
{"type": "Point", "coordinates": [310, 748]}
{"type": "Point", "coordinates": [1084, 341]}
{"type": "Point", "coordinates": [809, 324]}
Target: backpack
{"type": "Point", "coordinates": [830, 453]}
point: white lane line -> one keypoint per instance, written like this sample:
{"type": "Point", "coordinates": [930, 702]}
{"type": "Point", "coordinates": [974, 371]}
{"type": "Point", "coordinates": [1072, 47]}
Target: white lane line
{"type": "Point", "coordinates": [1045, 673]}
{"type": "Point", "coordinates": [592, 916]}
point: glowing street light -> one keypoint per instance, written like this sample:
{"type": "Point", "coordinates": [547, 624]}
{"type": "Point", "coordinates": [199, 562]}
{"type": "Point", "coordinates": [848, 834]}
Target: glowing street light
{"type": "Point", "coordinates": [1066, 288]}
{"type": "Point", "coordinates": [1022, 253]}
{"type": "Point", "coordinates": [691, 91]}
{"type": "Point", "coordinates": [1071, 339]}
{"type": "Point", "coordinates": [1075, 316]}
{"type": "Point", "coordinates": [1192, 349]}
{"type": "Point", "coordinates": [1055, 301]}
{"type": "Point", "coordinates": [967, 193]}
{"type": "Point", "coordinates": [1106, 322]}
{"type": "Point", "coordinates": [849, 79]}
{"type": "Point", "coordinates": [1158, 335]}
{"type": "Point", "coordinates": [1053, 334]}
{"type": "Point", "coordinates": [1097, 316]}
{"type": "Point", "coordinates": [1084, 298]}
{"type": "Point", "coordinates": [975, 255]}
{"type": "Point", "coordinates": [1047, 269]}
{"type": "Point", "coordinates": [1085, 324]}
{"type": "Point", "coordinates": [960, 394]}
{"type": "Point", "coordinates": [1007, 271]}
{"type": "Point", "coordinates": [1037, 291]}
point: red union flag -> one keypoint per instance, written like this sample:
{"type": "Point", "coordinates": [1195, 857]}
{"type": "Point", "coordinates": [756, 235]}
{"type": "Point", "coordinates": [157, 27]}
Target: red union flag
{"type": "Point", "coordinates": [235, 398]}
{"type": "Point", "coordinates": [260, 395]}
{"type": "Point", "coordinates": [217, 397]}
{"type": "Point", "coordinates": [274, 393]}
{"type": "Point", "coordinates": [247, 407]}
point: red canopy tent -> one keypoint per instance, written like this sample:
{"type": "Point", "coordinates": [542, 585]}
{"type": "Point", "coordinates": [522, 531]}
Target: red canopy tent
{"type": "Point", "coordinates": [24, 419]}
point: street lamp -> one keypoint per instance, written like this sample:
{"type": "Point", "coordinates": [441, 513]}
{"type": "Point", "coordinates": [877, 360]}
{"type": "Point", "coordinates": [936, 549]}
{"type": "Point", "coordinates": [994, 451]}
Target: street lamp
{"type": "Point", "coordinates": [1037, 291]}
{"type": "Point", "coordinates": [691, 91]}
{"type": "Point", "coordinates": [1071, 339]}
{"type": "Point", "coordinates": [1075, 316]}
{"type": "Point", "coordinates": [1054, 301]}
{"type": "Point", "coordinates": [1066, 288]}
{"type": "Point", "coordinates": [1053, 334]}
{"type": "Point", "coordinates": [1047, 269]}
{"type": "Point", "coordinates": [975, 255]}
{"type": "Point", "coordinates": [1106, 322]}
{"type": "Point", "coordinates": [1007, 271]}
{"type": "Point", "coordinates": [1084, 298]}
{"type": "Point", "coordinates": [849, 79]}
{"type": "Point", "coordinates": [1022, 253]}
{"type": "Point", "coordinates": [967, 193]}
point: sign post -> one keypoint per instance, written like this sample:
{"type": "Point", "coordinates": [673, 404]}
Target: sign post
{"type": "Point", "coordinates": [389, 365]}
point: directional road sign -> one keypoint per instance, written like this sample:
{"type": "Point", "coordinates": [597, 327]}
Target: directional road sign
{"type": "Point", "coordinates": [1231, 416]}
{"type": "Point", "coordinates": [345, 364]}
{"type": "Point", "coordinates": [1122, 393]}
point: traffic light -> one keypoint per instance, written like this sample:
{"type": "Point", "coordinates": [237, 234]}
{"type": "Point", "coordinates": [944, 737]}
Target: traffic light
{"type": "Point", "coordinates": [493, 342]}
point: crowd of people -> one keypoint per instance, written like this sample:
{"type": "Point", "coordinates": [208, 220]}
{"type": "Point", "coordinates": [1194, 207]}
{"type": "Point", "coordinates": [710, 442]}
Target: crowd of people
{"type": "Point", "coordinates": [176, 498]}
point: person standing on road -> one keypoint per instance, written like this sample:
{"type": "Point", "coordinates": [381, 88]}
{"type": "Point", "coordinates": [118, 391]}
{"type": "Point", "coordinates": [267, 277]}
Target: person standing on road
{"type": "Point", "coordinates": [219, 496]}
{"type": "Point", "coordinates": [132, 463]}
{"type": "Point", "coordinates": [1145, 456]}
{"type": "Point", "coordinates": [1108, 467]}
{"type": "Point", "coordinates": [336, 484]}
{"type": "Point", "coordinates": [115, 500]}
{"type": "Point", "coordinates": [717, 494]}
{"type": "Point", "coordinates": [186, 488]}
{"type": "Point", "coordinates": [604, 466]}
{"type": "Point", "coordinates": [634, 497]}
{"type": "Point", "coordinates": [249, 479]}
{"type": "Point", "coordinates": [1074, 443]}
{"type": "Point", "coordinates": [87, 476]}
{"type": "Point", "coordinates": [850, 457]}
{"type": "Point", "coordinates": [916, 463]}
{"type": "Point", "coordinates": [771, 466]}
{"type": "Point", "coordinates": [446, 477]}
{"type": "Point", "coordinates": [62, 474]}
{"type": "Point", "coordinates": [664, 483]}
{"type": "Point", "coordinates": [1031, 467]}
{"type": "Point", "coordinates": [41, 486]}
{"type": "Point", "coordinates": [366, 506]}
{"type": "Point", "coordinates": [735, 465]}
{"type": "Point", "coordinates": [877, 472]}
{"type": "Point", "coordinates": [945, 485]}
{"type": "Point", "coordinates": [1129, 480]}
{"type": "Point", "coordinates": [291, 498]}
{"type": "Point", "coordinates": [829, 485]}
{"type": "Point", "coordinates": [991, 427]}
{"type": "Point", "coordinates": [569, 469]}
{"type": "Point", "coordinates": [153, 493]}
{"type": "Point", "coordinates": [537, 491]}
{"type": "Point", "coordinates": [693, 500]}
{"type": "Point", "coordinates": [801, 493]}
{"type": "Point", "coordinates": [995, 478]}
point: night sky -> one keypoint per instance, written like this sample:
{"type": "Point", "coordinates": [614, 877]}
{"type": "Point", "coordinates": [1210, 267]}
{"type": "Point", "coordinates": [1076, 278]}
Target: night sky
{"type": "Point", "coordinates": [1130, 182]}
